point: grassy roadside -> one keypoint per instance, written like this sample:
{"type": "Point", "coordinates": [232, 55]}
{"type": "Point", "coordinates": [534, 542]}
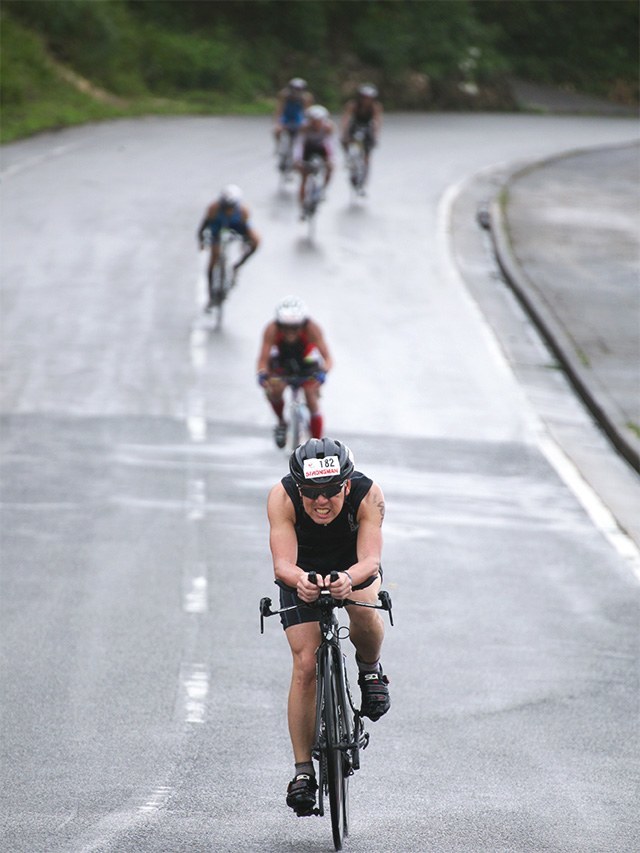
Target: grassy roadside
{"type": "Point", "coordinates": [40, 94]}
{"type": "Point", "coordinates": [213, 57]}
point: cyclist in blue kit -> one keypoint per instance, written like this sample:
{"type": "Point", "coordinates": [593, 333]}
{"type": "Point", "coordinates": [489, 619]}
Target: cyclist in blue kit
{"type": "Point", "coordinates": [227, 212]}
{"type": "Point", "coordinates": [325, 516]}
{"type": "Point", "coordinates": [293, 100]}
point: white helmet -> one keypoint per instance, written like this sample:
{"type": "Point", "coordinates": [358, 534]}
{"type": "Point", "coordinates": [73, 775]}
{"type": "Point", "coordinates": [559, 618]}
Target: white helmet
{"type": "Point", "coordinates": [291, 311]}
{"type": "Point", "coordinates": [317, 112]}
{"type": "Point", "coordinates": [368, 90]}
{"type": "Point", "coordinates": [297, 83]}
{"type": "Point", "coordinates": [231, 194]}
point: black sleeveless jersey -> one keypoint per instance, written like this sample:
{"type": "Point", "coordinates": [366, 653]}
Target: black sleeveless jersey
{"type": "Point", "coordinates": [363, 113]}
{"type": "Point", "coordinates": [325, 548]}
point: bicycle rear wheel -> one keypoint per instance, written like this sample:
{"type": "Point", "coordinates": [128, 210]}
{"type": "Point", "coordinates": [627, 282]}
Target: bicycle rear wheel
{"type": "Point", "coordinates": [217, 292]}
{"type": "Point", "coordinates": [337, 780]}
{"type": "Point", "coordinates": [357, 169]}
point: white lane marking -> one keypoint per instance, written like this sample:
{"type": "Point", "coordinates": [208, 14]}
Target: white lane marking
{"type": "Point", "coordinates": [39, 506]}
{"type": "Point", "coordinates": [595, 508]}
{"type": "Point", "coordinates": [194, 689]}
{"type": "Point", "coordinates": [157, 800]}
{"type": "Point", "coordinates": [196, 419]}
{"type": "Point", "coordinates": [196, 409]}
{"type": "Point", "coordinates": [198, 348]}
{"type": "Point", "coordinates": [58, 151]}
{"type": "Point", "coordinates": [195, 599]}
{"type": "Point", "coordinates": [196, 499]}
{"type": "Point", "coordinates": [590, 501]}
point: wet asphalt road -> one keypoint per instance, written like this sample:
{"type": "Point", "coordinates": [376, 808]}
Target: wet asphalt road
{"type": "Point", "coordinates": [142, 710]}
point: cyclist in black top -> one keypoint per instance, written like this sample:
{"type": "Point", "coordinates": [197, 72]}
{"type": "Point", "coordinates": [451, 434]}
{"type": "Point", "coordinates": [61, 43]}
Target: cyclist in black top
{"type": "Point", "coordinates": [364, 112]}
{"type": "Point", "coordinates": [325, 516]}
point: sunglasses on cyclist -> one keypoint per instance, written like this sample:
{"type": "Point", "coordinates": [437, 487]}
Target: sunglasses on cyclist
{"type": "Point", "coordinates": [314, 492]}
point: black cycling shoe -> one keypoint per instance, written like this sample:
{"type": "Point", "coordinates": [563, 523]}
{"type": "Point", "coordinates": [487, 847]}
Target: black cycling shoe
{"type": "Point", "coordinates": [280, 434]}
{"type": "Point", "coordinates": [375, 694]}
{"type": "Point", "coordinates": [301, 794]}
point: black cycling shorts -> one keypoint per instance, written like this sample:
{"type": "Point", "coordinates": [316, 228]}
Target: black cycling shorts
{"type": "Point", "coordinates": [304, 613]}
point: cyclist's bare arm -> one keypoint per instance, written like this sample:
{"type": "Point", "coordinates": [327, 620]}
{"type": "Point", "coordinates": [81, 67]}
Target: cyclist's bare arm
{"type": "Point", "coordinates": [369, 542]}
{"type": "Point", "coordinates": [284, 545]}
{"type": "Point", "coordinates": [368, 545]}
{"type": "Point", "coordinates": [316, 337]}
{"type": "Point", "coordinates": [211, 213]}
{"type": "Point", "coordinates": [268, 341]}
{"type": "Point", "coordinates": [377, 119]}
{"type": "Point", "coordinates": [346, 117]}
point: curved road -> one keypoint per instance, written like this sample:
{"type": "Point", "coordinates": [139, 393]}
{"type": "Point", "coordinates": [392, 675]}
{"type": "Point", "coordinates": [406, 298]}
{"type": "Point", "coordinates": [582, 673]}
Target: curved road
{"type": "Point", "coordinates": [142, 710]}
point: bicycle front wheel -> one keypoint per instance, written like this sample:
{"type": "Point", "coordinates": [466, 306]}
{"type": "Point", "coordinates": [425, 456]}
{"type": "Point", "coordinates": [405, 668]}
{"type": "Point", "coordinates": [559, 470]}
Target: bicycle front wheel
{"type": "Point", "coordinates": [337, 780]}
{"type": "Point", "coordinates": [296, 425]}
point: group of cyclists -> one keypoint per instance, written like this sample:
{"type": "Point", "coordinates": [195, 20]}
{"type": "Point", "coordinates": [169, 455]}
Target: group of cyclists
{"type": "Point", "coordinates": [292, 343]}
{"type": "Point", "coordinates": [324, 515]}
{"type": "Point", "coordinates": [312, 130]}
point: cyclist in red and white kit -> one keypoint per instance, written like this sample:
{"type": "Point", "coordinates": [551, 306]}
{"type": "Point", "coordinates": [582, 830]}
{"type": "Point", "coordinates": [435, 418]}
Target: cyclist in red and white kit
{"type": "Point", "coordinates": [293, 344]}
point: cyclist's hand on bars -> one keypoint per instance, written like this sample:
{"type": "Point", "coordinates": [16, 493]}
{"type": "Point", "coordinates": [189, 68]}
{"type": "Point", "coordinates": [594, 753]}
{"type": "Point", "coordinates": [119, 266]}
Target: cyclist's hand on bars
{"type": "Point", "coordinates": [307, 590]}
{"type": "Point", "coordinates": [262, 377]}
{"type": "Point", "coordinates": [320, 376]}
{"type": "Point", "coordinates": [341, 588]}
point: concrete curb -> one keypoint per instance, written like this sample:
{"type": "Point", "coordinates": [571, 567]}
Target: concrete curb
{"type": "Point", "coordinates": [595, 397]}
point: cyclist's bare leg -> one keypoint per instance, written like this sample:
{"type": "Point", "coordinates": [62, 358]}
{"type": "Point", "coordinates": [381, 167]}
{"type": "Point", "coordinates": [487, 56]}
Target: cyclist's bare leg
{"type": "Point", "coordinates": [312, 396]}
{"type": "Point", "coordinates": [366, 628]}
{"type": "Point", "coordinates": [303, 184]}
{"type": "Point", "coordinates": [328, 171]}
{"type": "Point", "coordinates": [303, 641]}
{"type": "Point", "coordinates": [274, 389]}
{"type": "Point", "coordinates": [250, 244]}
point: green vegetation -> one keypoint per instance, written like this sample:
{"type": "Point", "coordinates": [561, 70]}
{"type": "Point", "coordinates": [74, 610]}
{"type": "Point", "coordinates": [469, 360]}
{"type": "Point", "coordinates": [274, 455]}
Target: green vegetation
{"type": "Point", "coordinates": [68, 61]}
{"type": "Point", "coordinates": [634, 427]}
{"type": "Point", "coordinates": [583, 357]}
{"type": "Point", "coordinates": [589, 46]}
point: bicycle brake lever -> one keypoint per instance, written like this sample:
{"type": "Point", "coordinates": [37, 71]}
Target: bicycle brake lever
{"type": "Point", "coordinates": [385, 600]}
{"type": "Point", "coordinates": [265, 610]}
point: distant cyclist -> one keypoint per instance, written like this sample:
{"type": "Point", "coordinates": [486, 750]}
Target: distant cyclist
{"type": "Point", "coordinates": [293, 344]}
{"type": "Point", "coordinates": [227, 212]}
{"type": "Point", "coordinates": [293, 101]}
{"type": "Point", "coordinates": [326, 519]}
{"type": "Point", "coordinates": [315, 139]}
{"type": "Point", "coordinates": [364, 112]}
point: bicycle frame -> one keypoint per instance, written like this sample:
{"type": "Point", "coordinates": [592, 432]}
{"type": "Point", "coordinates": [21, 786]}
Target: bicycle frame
{"type": "Point", "coordinates": [315, 169]}
{"type": "Point", "coordinates": [285, 151]}
{"type": "Point", "coordinates": [222, 278]}
{"type": "Point", "coordinates": [298, 418]}
{"type": "Point", "coordinates": [356, 161]}
{"type": "Point", "coordinates": [339, 729]}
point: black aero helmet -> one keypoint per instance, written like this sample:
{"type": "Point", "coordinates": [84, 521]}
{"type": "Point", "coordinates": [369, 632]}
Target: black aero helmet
{"type": "Point", "coordinates": [322, 462]}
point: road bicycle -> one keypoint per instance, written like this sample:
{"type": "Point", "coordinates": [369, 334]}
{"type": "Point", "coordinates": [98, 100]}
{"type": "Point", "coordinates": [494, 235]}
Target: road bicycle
{"type": "Point", "coordinates": [223, 277]}
{"type": "Point", "coordinates": [357, 161]}
{"type": "Point", "coordinates": [315, 169]}
{"type": "Point", "coordinates": [339, 729]}
{"type": "Point", "coordinates": [296, 412]}
{"type": "Point", "coordinates": [285, 152]}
